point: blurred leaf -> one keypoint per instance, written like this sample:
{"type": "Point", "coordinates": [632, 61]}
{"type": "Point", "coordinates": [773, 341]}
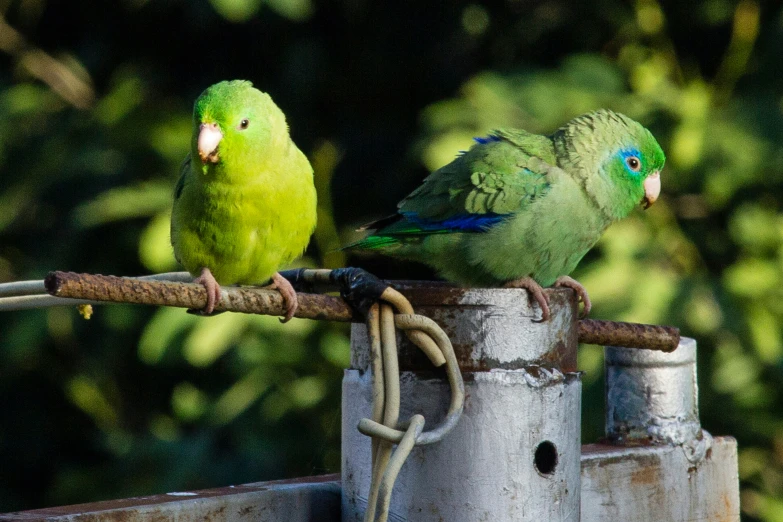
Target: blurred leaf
{"type": "Point", "coordinates": [155, 250]}
{"type": "Point", "coordinates": [160, 332]}
{"type": "Point", "coordinates": [142, 200]}
{"type": "Point", "coordinates": [336, 349]}
{"type": "Point", "coordinates": [236, 10]}
{"type": "Point", "coordinates": [296, 10]}
{"type": "Point", "coordinates": [734, 370]}
{"type": "Point", "coordinates": [751, 277]}
{"type": "Point", "coordinates": [127, 94]}
{"type": "Point", "coordinates": [212, 336]}
{"type": "Point", "coordinates": [306, 392]}
{"type": "Point", "coordinates": [188, 402]}
{"type": "Point", "coordinates": [324, 160]}
{"type": "Point", "coordinates": [240, 396]}
{"type": "Point", "coordinates": [765, 331]}
{"type": "Point", "coordinates": [164, 428]}
{"type": "Point", "coordinates": [85, 393]}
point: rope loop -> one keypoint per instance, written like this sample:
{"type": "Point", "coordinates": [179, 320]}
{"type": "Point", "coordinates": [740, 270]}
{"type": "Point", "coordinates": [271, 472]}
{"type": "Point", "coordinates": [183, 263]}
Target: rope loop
{"type": "Point", "coordinates": [384, 427]}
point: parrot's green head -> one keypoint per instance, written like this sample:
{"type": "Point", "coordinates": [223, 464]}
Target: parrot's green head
{"type": "Point", "coordinates": [233, 124]}
{"type": "Point", "coordinates": [619, 160]}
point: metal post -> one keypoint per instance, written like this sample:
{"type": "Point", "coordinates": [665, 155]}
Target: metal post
{"type": "Point", "coordinates": [660, 464]}
{"type": "Point", "coordinates": [515, 453]}
{"type": "Point", "coordinates": [653, 397]}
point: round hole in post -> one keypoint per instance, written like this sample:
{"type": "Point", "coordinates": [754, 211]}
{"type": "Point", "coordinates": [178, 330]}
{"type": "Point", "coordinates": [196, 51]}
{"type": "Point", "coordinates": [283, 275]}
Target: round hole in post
{"type": "Point", "coordinates": [545, 458]}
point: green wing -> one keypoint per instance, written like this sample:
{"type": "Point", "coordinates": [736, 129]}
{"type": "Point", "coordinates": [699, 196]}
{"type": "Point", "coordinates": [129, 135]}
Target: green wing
{"type": "Point", "coordinates": [497, 177]}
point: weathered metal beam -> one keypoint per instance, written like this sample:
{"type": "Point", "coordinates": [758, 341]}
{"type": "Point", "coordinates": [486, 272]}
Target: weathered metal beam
{"type": "Point", "coordinates": [318, 306]}
{"type": "Point", "coordinates": [308, 499]}
{"type": "Point", "coordinates": [640, 484]}
{"type": "Point", "coordinates": [632, 484]}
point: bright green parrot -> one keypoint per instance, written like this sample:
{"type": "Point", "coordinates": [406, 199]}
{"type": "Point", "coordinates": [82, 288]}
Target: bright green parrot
{"type": "Point", "coordinates": [245, 204]}
{"type": "Point", "coordinates": [521, 210]}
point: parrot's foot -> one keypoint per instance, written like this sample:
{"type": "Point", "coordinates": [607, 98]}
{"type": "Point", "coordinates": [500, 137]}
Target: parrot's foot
{"type": "Point", "coordinates": [536, 291]}
{"type": "Point", "coordinates": [207, 280]}
{"type": "Point", "coordinates": [581, 293]}
{"type": "Point", "coordinates": [291, 302]}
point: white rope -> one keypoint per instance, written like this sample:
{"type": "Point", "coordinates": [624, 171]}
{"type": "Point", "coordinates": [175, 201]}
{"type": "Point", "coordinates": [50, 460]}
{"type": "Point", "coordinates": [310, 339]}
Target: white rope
{"type": "Point", "coordinates": [383, 427]}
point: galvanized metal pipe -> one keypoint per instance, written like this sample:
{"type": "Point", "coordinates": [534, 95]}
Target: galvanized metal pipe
{"type": "Point", "coordinates": [652, 397]}
{"type": "Point", "coordinates": [514, 455]}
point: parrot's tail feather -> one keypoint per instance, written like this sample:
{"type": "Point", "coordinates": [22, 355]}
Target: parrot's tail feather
{"type": "Point", "coordinates": [379, 223]}
{"type": "Point", "coordinates": [372, 243]}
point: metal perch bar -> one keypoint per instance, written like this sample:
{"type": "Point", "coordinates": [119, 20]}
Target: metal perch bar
{"type": "Point", "coordinates": [37, 287]}
{"type": "Point", "coordinates": [629, 335]}
{"type": "Point", "coordinates": [98, 288]}
{"type": "Point", "coordinates": [26, 295]}
{"type": "Point", "coordinates": [189, 295]}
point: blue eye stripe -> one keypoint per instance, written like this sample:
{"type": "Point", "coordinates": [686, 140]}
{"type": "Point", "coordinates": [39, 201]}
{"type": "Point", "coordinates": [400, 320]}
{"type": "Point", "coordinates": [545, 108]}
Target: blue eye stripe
{"type": "Point", "coordinates": [624, 154]}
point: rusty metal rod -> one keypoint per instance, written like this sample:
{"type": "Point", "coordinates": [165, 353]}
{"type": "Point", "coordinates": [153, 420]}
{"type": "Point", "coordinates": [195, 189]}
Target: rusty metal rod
{"type": "Point", "coordinates": [311, 306]}
{"type": "Point", "coordinates": [190, 295]}
{"type": "Point", "coordinates": [629, 335]}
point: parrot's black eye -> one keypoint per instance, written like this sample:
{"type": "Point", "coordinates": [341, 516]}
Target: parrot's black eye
{"type": "Point", "coordinates": [244, 123]}
{"type": "Point", "coordinates": [633, 163]}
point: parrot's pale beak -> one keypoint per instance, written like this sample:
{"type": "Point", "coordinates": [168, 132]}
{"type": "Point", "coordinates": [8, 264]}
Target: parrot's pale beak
{"type": "Point", "coordinates": [209, 137]}
{"type": "Point", "coordinates": [652, 189]}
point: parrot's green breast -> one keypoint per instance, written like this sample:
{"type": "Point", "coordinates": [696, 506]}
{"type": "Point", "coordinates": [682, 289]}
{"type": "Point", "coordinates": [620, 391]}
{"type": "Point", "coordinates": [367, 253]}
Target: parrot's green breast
{"type": "Point", "coordinates": [242, 233]}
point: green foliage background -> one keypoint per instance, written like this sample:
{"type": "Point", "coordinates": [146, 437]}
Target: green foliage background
{"type": "Point", "coordinates": [95, 102]}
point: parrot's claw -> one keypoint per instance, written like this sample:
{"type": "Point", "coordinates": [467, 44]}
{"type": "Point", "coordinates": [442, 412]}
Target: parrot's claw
{"type": "Point", "coordinates": [207, 280]}
{"type": "Point", "coordinates": [291, 302]}
{"type": "Point", "coordinates": [581, 293]}
{"type": "Point", "coordinates": [536, 291]}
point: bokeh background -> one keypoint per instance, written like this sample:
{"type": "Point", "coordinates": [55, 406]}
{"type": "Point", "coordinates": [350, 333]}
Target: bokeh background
{"type": "Point", "coordinates": [95, 101]}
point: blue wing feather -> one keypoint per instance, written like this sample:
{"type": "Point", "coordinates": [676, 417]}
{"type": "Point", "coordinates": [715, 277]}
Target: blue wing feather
{"type": "Point", "coordinates": [487, 139]}
{"type": "Point", "coordinates": [456, 223]}
{"type": "Point", "coordinates": [409, 225]}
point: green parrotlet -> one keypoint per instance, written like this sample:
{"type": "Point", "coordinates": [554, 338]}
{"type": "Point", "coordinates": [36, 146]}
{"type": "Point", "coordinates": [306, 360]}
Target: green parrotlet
{"type": "Point", "coordinates": [520, 209]}
{"type": "Point", "coordinates": [245, 204]}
